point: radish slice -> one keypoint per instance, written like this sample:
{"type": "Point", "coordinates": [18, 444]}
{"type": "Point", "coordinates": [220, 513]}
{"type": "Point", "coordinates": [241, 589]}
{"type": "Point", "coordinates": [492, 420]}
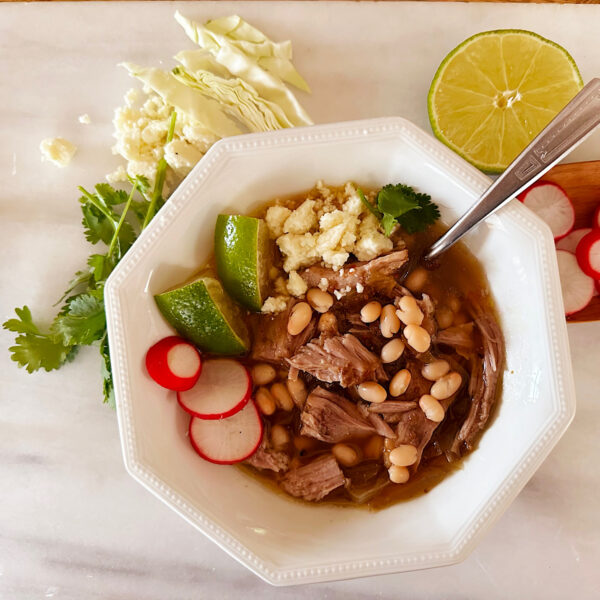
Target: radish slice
{"type": "Point", "coordinates": [227, 441]}
{"type": "Point", "coordinates": [588, 254]}
{"type": "Point", "coordinates": [174, 363]}
{"type": "Point", "coordinates": [551, 203]}
{"type": "Point", "coordinates": [577, 287]}
{"type": "Point", "coordinates": [223, 389]}
{"type": "Point", "coordinates": [569, 242]}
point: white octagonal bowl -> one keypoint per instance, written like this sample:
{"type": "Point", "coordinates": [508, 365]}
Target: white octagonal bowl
{"type": "Point", "coordinates": [282, 540]}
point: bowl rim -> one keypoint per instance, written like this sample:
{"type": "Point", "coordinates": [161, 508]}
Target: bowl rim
{"type": "Point", "coordinates": [465, 541]}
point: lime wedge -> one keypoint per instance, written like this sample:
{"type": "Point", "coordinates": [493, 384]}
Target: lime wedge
{"type": "Point", "coordinates": [243, 255]}
{"type": "Point", "coordinates": [202, 313]}
{"type": "Point", "coordinates": [496, 91]}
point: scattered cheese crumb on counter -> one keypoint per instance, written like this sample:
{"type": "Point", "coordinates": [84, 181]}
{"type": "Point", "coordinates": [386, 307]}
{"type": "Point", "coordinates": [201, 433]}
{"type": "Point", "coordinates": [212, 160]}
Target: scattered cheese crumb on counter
{"type": "Point", "coordinates": [58, 151]}
{"type": "Point", "coordinates": [84, 119]}
{"type": "Point", "coordinates": [141, 126]}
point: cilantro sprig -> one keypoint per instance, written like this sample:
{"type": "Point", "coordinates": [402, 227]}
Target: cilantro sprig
{"type": "Point", "coordinates": [114, 218]}
{"type": "Point", "coordinates": [400, 204]}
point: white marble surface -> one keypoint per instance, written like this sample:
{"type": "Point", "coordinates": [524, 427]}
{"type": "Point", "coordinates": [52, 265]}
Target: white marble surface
{"type": "Point", "coordinates": [73, 525]}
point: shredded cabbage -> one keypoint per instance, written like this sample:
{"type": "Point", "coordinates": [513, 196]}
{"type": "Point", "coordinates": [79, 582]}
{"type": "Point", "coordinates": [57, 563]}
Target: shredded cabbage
{"type": "Point", "coordinates": [275, 57]}
{"type": "Point", "coordinates": [205, 111]}
{"type": "Point", "coordinates": [245, 66]}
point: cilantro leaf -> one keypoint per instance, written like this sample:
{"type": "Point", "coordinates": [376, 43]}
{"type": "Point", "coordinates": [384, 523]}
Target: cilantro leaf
{"type": "Point", "coordinates": [400, 204]}
{"type": "Point", "coordinates": [395, 200]}
{"type": "Point", "coordinates": [97, 227]}
{"type": "Point", "coordinates": [24, 324]}
{"type": "Point", "coordinates": [372, 209]}
{"type": "Point", "coordinates": [33, 349]}
{"type": "Point", "coordinates": [110, 196]}
{"type": "Point", "coordinates": [106, 370]}
{"type": "Point", "coordinates": [100, 266]}
{"type": "Point", "coordinates": [415, 221]}
{"type": "Point", "coordinates": [388, 223]}
{"type": "Point", "coordinates": [82, 323]}
{"type": "Point", "coordinates": [39, 352]}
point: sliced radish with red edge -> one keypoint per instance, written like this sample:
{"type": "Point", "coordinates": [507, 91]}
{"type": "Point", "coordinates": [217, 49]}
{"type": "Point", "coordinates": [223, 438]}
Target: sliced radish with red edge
{"type": "Point", "coordinates": [551, 203]}
{"type": "Point", "coordinates": [174, 363]}
{"type": "Point", "coordinates": [577, 287]}
{"type": "Point", "coordinates": [222, 390]}
{"type": "Point", "coordinates": [588, 254]}
{"type": "Point", "coordinates": [569, 242]}
{"type": "Point", "coordinates": [227, 441]}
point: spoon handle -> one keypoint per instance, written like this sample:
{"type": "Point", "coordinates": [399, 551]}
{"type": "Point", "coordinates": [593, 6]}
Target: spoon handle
{"type": "Point", "coordinates": [569, 128]}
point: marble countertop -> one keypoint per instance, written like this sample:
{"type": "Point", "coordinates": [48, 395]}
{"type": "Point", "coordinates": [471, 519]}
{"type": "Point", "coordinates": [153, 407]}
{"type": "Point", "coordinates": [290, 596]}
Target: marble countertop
{"type": "Point", "coordinates": [73, 524]}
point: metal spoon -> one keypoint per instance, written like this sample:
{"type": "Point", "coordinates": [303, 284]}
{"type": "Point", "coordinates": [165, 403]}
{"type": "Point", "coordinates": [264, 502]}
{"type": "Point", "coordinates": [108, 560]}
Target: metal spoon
{"type": "Point", "coordinates": [569, 128]}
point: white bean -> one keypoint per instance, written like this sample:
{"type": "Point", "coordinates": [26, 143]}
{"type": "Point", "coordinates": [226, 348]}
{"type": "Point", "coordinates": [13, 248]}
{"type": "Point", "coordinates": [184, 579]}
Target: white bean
{"type": "Point", "coordinates": [409, 311]}
{"type": "Point", "coordinates": [265, 402]}
{"type": "Point", "coordinates": [444, 317]}
{"type": "Point", "coordinates": [433, 410]}
{"type": "Point", "coordinates": [279, 436]}
{"type": "Point", "coordinates": [371, 391]}
{"type": "Point", "coordinates": [297, 390]}
{"type": "Point", "coordinates": [417, 337]}
{"type": "Point", "coordinates": [392, 350]}
{"type": "Point", "coordinates": [300, 317]}
{"type": "Point", "coordinates": [373, 448]}
{"type": "Point", "coordinates": [447, 385]}
{"type": "Point", "coordinates": [370, 312]}
{"type": "Point", "coordinates": [321, 301]}
{"type": "Point", "coordinates": [404, 455]}
{"type": "Point", "coordinates": [327, 323]}
{"type": "Point", "coordinates": [280, 392]}
{"type": "Point", "coordinates": [345, 455]}
{"type": "Point", "coordinates": [263, 373]}
{"type": "Point", "coordinates": [389, 321]}
{"type": "Point", "coordinates": [435, 369]}
{"type": "Point", "coordinates": [416, 281]}
{"type": "Point", "coordinates": [400, 382]}
{"type": "Point", "coordinates": [398, 474]}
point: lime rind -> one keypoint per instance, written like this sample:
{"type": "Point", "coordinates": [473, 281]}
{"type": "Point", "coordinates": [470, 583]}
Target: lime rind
{"type": "Point", "coordinates": [242, 258]}
{"type": "Point", "coordinates": [462, 47]}
{"type": "Point", "coordinates": [202, 313]}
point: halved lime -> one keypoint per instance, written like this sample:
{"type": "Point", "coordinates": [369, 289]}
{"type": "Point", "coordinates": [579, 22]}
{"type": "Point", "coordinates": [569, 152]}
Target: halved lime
{"type": "Point", "coordinates": [242, 254]}
{"type": "Point", "coordinates": [496, 91]}
{"type": "Point", "coordinates": [202, 313]}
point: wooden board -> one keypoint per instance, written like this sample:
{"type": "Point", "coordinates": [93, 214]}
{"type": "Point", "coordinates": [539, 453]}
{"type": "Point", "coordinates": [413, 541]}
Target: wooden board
{"type": "Point", "coordinates": [581, 181]}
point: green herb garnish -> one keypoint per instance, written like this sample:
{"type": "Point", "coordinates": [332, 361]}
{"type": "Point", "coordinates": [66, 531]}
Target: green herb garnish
{"type": "Point", "coordinates": [115, 218]}
{"type": "Point", "coordinates": [400, 204]}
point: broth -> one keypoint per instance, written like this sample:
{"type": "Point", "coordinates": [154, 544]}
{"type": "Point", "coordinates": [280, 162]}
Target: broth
{"type": "Point", "coordinates": [458, 276]}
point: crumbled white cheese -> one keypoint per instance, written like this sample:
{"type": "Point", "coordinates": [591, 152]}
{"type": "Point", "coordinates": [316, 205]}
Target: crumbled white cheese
{"type": "Point", "coordinates": [58, 151]}
{"type": "Point", "coordinates": [371, 242]}
{"type": "Point", "coordinates": [360, 288]}
{"type": "Point", "coordinates": [301, 220]}
{"type": "Point", "coordinates": [328, 227]}
{"type": "Point", "coordinates": [296, 285]}
{"type": "Point", "coordinates": [323, 284]}
{"type": "Point", "coordinates": [298, 250]}
{"type": "Point", "coordinates": [141, 133]}
{"type": "Point", "coordinates": [274, 304]}
{"type": "Point", "coordinates": [275, 218]}
{"type": "Point", "coordinates": [84, 119]}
